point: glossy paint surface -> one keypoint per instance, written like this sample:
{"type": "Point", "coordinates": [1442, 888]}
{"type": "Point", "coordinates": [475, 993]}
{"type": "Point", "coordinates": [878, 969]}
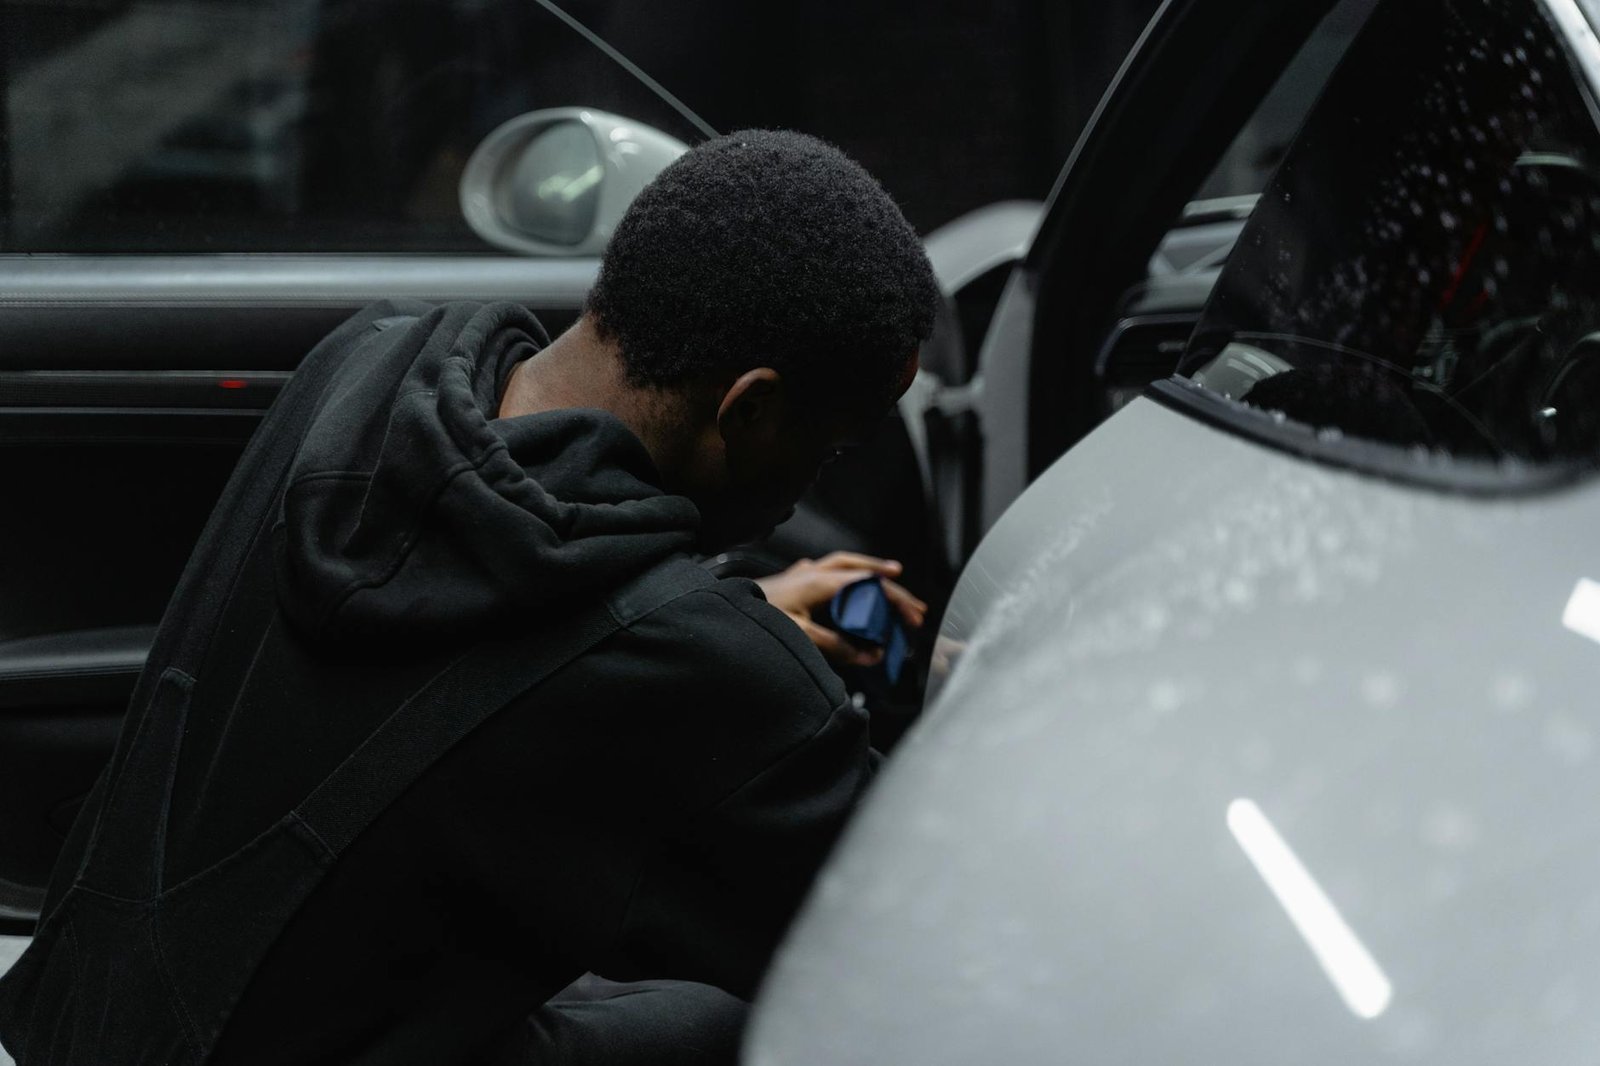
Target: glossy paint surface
{"type": "Point", "coordinates": [1242, 759]}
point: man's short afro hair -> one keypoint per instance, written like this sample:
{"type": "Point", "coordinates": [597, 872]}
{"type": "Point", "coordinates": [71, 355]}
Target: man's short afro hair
{"type": "Point", "coordinates": [768, 248]}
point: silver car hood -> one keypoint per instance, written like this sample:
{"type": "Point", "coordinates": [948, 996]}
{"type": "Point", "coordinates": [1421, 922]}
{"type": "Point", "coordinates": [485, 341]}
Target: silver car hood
{"type": "Point", "coordinates": [1246, 760]}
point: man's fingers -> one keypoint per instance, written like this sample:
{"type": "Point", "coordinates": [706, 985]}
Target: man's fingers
{"type": "Point", "coordinates": [807, 585]}
{"type": "Point", "coordinates": [823, 585]}
{"type": "Point", "coordinates": [802, 589]}
{"type": "Point", "coordinates": [826, 584]}
{"type": "Point", "coordinates": [857, 561]}
{"type": "Point", "coordinates": [913, 610]}
{"type": "Point", "coordinates": [836, 648]}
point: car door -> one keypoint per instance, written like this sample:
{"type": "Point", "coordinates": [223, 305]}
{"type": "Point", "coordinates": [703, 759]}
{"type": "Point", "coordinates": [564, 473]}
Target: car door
{"type": "Point", "coordinates": [191, 196]}
{"type": "Point", "coordinates": [1270, 732]}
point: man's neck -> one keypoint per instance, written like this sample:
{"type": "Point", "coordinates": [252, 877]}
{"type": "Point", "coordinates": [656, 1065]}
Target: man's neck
{"type": "Point", "coordinates": [580, 368]}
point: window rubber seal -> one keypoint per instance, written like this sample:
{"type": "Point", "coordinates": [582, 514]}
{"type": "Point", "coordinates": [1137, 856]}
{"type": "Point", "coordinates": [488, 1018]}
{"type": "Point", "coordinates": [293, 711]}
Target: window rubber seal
{"type": "Point", "coordinates": [1431, 469]}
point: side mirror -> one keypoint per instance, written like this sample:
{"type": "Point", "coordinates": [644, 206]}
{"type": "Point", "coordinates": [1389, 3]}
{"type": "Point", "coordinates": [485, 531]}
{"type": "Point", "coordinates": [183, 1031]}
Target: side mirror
{"type": "Point", "coordinates": [556, 182]}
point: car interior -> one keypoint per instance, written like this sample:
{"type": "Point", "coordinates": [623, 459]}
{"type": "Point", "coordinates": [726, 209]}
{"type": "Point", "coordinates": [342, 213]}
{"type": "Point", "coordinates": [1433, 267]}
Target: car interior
{"type": "Point", "coordinates": [1439, 295]}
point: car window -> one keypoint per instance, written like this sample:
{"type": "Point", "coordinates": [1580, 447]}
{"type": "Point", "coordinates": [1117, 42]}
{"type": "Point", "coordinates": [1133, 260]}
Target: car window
{"type": "Point", "coordinates": [1423, 268]}
{"type": "Point", "coordinates": [1260, 146]}
{"type": "Point", "coordinates": [273, 125]}
{"type": "Point", "coordinates": [1203, 236]}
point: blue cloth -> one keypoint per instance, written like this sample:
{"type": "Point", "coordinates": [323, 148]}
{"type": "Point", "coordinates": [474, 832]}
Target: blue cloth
{"type": "Point", "coordinates": [863, 611]}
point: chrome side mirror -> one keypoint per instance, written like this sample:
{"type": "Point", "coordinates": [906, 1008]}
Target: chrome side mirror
{"type": "Point", "coordinates": [556, 182]}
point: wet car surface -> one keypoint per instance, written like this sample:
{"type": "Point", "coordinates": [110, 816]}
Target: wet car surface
{"type": "Point", "coordinates": [1268, 726]}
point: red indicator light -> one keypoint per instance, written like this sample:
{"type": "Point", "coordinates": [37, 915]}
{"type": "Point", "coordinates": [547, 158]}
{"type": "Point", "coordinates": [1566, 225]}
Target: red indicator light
{"type": "Point", "coordinates": [232, 383]}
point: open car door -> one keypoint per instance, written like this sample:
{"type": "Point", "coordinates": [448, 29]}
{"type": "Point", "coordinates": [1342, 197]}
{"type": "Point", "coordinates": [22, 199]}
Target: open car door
{"type": "Point", "coordinates": [191, 196]}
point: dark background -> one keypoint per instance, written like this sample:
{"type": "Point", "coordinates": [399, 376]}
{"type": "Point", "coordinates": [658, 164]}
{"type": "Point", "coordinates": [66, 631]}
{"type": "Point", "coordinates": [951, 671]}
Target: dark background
{"type": "Point", "coordinates": [954, 105]}
{"type": "Point", "coordinates": [342, 125]}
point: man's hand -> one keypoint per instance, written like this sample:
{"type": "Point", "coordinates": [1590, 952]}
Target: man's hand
{"type": "Point", "coordinates": [807, 585]}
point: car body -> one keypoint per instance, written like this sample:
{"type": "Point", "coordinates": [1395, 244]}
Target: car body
{"type": "Point", "coordinates": [1268, 729]}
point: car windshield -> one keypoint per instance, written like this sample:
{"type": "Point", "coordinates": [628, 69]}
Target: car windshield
{"type": "Point", "coordinates": [1424, 269]}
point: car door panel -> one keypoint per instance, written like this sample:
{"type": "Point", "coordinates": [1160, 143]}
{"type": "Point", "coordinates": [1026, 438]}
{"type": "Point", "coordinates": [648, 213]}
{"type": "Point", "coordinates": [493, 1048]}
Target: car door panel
{"type": "Point", "coordinates": [131, 383]}
{"type": "Point", "coordinates": [128, 389]}
{"type": "Point", "coordinates": [238, 312]}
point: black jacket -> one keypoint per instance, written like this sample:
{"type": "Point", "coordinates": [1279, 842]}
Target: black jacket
{"type": "Point", "coordinates": [654, 809]}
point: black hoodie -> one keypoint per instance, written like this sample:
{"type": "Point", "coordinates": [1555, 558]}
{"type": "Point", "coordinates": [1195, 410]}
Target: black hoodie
{"type": "Point", "coordinates": [414, 512]}
{"type": "Point", "coordinates": [654, 809]}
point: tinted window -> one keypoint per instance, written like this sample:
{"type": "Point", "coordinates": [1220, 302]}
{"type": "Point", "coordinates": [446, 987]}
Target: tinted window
{"type": "Point", "coordinates": [292, 125]}
{"type": "Point", "coordinates": [1261, 144]}
{"type": "Point", "coordinates": [1423, 268]}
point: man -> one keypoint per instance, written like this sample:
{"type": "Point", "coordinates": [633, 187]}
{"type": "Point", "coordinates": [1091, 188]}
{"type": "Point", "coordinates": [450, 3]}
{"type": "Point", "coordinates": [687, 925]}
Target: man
{"type": "Point", "coordinates": [440, 718]}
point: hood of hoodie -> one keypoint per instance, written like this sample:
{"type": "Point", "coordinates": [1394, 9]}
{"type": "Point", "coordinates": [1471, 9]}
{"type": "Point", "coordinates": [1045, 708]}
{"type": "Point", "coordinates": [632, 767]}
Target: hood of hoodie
{"type": "Point", "coordinates": [411, 510]}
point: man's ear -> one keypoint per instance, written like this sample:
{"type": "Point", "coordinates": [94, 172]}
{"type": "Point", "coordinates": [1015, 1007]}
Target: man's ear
{"type": "Point", "coordinates": [753, 405]}
{"type": "Point", "coordinates": [909, 374]}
